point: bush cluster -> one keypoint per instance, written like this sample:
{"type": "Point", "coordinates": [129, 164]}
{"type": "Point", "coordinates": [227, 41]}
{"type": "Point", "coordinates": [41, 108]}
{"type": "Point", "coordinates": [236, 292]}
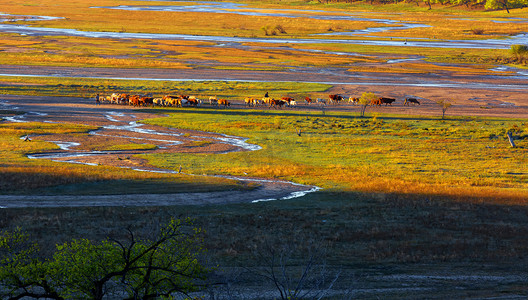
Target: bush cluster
{"type": "Point", "coordinates": [487, 4]}
{"type": "Point", "coordinates": [519, 54]}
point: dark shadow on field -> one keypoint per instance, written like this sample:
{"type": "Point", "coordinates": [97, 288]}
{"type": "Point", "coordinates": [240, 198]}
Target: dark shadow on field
{"type": "Point", "coordinates": [413, 228]}
{"type": "Point", "coordinates": [50, 184]}
{"type": "Point", "coordinates": [386, 246]}
{"type": "Point", "coordinates": [28, 181]}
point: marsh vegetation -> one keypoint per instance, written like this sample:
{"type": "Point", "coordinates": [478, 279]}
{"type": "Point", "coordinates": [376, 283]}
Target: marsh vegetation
{"type": "Point", "coordinates": [416, 201]}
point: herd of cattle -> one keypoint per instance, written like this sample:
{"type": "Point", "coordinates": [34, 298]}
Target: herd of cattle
{"type": "Point", "coordinates": [185, 100]}
{"type": "Point", "coordinates": [167, 100]}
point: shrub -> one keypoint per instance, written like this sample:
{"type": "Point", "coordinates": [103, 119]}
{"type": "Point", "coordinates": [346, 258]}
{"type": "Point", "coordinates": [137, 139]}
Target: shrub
{"type": "Point", "coordinates": [269, 30]}
{"type": "Point", "coordinates": [519, 49]}
{"type": "Point", "coordinates": [280, 29]}
{"type": "Point", "coordinates": [519, 54]}
{"type": "Point", "coordinates": [477, 31]}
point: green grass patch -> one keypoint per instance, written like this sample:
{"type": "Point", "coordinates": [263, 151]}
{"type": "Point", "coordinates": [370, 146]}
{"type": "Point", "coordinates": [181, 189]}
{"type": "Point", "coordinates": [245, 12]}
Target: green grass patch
{"type": "Point", "coordinates": [457, 157]}
{"type": "Point", "coordinates": [519, 49]}
{"type": "Point", "coordinates": [21, 175]}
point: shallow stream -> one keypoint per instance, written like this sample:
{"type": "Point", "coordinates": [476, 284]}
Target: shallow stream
{"type": "Point", "coordinates": [242, 9]}
{"type": "Point", "coordinates": [123, 125]}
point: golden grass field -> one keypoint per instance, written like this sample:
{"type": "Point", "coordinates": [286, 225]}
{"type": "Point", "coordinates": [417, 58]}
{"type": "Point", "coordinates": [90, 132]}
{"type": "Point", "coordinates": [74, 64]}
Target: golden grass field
{"type": "Point", "coordinates": [405, 192]}
{"type": "Point", "coordinates": [443, 24]}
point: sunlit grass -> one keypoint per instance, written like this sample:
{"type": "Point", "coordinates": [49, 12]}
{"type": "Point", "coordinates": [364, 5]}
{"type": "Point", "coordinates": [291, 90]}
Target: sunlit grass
{"type": "Point", "coordinates": [19, 174]}
{"type": "Point", "coordinates": [444, 23]}
{"type": "Point", "coordinates": [400, 155]}
{"type": "Point", "coordinates": [95, 52]}
{"type": "Point", "coordinates": [82, 15]}
{"type": "Point", "coordinates": [424, 68]}
{"type": "Point", "coordinates": [471, 61]}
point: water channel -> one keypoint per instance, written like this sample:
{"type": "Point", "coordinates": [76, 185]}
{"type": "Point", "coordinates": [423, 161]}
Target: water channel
{"type": "Point", "coordinates": [235, 8]}
{"type": "Point", "coordinates": [124, 125]}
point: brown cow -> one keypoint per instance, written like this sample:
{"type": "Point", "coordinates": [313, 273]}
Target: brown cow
{"type": "Point", "coordinates": [192, 101]}
{"type": "Point", "coordinates": [308, 100]}
{"type": "Point", "coordinates": [170, 96]}
{"type": "Point", "coordinates": [375, 102]}
{"type": "Point", "coordinates": [276, 103]}
{"type": "Point", "coordinates": [146, 101]}
{"type": "Point", "coordinates": [288, 99]}
{"type": "Point", "coordinates": [134, 100]}
{"type": "Point", "coordinates": [335, 98]}
{"type": "Point", "coordinates": [223, 102]}
{"type": "Point", "coordinates": [411, 100]}
{"type": "Point", "coordinates": [353, 100]}
{"type": "Point", "coordinates": [123, 99]}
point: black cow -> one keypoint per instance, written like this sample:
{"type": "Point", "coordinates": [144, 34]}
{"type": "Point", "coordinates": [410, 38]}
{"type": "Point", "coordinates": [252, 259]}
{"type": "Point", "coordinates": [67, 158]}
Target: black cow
{"type": "Point", "coordinates": [411, 100]}
{"type": "Point", "coordinates": [386, 101]}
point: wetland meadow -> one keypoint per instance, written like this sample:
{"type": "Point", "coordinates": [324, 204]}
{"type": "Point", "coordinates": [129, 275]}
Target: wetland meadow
{"type": "Point", "coordinates": [306, 200]}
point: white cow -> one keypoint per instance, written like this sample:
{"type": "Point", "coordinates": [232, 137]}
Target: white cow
{"type": "Point", "coordinates": [114, 98]}
{"type": "Point", "coordinates": [158, 101]}
{"type": "Point", "coordinates": [213, 100]}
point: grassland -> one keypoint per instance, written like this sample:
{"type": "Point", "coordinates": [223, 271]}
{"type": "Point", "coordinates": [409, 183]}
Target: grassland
{"type": "Point", "coordinates": [365, 238]}
{"type": "Point", "coordinates": [458, 157]}
{"type": "Point", "coordinates": [455, 157]}
{"type": "Point", "coordinates": [21, 175]}
{"type": "Point", "coordinates": [402, 194]}
{"type": "Point", "coordinates": [442, 24]}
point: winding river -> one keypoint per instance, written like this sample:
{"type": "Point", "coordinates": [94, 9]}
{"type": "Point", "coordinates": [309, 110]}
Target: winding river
{"type": "Point", "coordinates": [236, 8]}
{"type": "Point", "coordinates": [122, 123]}
{"type": "Point", "coordinates": [336, 77]}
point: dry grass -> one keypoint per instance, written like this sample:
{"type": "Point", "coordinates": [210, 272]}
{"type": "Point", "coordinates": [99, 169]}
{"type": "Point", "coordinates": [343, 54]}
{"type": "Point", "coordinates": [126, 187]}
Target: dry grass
{"type": "Point", "coordinates": [69, 51]}
{"type": "Point", "coordinates": [401, 193]}
{"type": "Point", "coordinates": [158, 54]}
{"type": "Point", "coordinates": [80, 16]}
{"type": "Point", "coordinates": [477, 31]}
{"type": "Point", "coordinates": [423, 68]}
{"type": "Point", "coordinates": [86, 87]}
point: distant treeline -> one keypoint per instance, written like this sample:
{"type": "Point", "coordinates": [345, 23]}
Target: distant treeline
{"type": "Point", "coordinates": [486, 4]}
